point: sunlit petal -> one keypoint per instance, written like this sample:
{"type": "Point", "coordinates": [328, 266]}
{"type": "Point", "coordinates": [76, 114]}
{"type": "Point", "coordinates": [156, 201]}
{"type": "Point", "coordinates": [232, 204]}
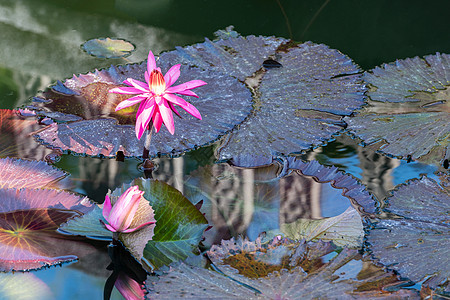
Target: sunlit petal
{"type": "Point", "coordinates": [184, 104]}
{"type": "Point", "coordinates": [186, 86]}
{"type": "Point", "coordinates": [130, 102]}
{"type": "Point", "coordinates": [172, 75]}
{"type": "Point", "coordinates": [125, 90]}
{"type": "Point", "coordinates": [151, 63]}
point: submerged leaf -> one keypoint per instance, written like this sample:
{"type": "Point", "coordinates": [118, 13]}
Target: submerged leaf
{"type": "Point", "coordinates": [278, 270]}
{"type": "Point", "coordinates": [22, 286]}
{"type": "Point", "coordinates": [17, 173]}
{"type": "Point", "coordinates": [418, 246]}
{"type": "Point", "coordinates": [296, 106]}
{"type": "Point", "coordinates": [345, 229]}
{"type": "Point", "coordinates": [409, 105]}
{"type": "Point", "coordinates": [28, 222]}
{"type": "Point", "coordinates": [108, 48]}
{"type": "Point", "coordinates": [94, 128]}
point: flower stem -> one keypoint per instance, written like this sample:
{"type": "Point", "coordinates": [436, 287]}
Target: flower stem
{"type": "Point", "coordinates": [148, 165]}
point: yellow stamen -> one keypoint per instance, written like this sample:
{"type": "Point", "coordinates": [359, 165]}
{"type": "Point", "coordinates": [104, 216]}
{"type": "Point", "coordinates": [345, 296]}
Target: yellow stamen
{"type": "Point", "coordinates": [156, 83]}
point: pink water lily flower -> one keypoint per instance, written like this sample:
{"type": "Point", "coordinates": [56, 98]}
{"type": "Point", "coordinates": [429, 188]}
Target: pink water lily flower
{"type": "Point", "coordinates": [120, 215]}
{"type": "Point", "coordinates": [157, 97]}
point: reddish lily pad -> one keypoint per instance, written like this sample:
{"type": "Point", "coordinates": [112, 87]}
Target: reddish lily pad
{"type": "Point", "coordinates": [16, 137]}
{"type": "Point", "coordinates": [281, 269]}
{"type": "Point", "coordinates": [408, 109]}
{"type": "Point", "coordinates": [28, 222]}
{"type": "Point", "coordinates": [94, 128]}
{"type": "Point", "coordinates": [417, 246]}
{"type": "Point", "coordinates": [17, 173]}
{"type": "Point", "coordinates": [108, 48]}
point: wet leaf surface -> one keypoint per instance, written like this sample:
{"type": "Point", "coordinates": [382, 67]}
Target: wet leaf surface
{"type": "Point", "coordinates": [17, 173]}
{"type": "Point", "coordinates": [417, 246]}
{"type": "Point", "coordinates": [345, 229]}
{"type": "Point", "coordinates": [296, 106]}
{"type": "Point", "coordinates": [408, 108]}
{"type": "Point", "coordinates": [16, 137]}
{"type": "Point", "coordinates": [108, 48]}
{"type": "Point", "coordinates": [239, 57]}
{"type": "Point", "coordinates": [94, 128]}
{"type": "Point", "coordinates": [28, 222]}
{"type": "Point", "coordinates": [280, 269]}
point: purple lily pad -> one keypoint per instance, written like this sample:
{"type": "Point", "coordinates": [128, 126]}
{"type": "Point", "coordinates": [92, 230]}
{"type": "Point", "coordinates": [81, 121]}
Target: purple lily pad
{"type": "Point", "coordinates": [239, 56]}
{"type": "Point", "coordinates": [17, 173]}
{"type": "Point", "coordinates": [416, 246]}
{"type": "Point", "coordinates": [16, 137]}
{"type": "Point", "coordinates": [296, 106]}
{"type": "Point", "coordinates": [408, 109]}
{"type": "Point", "coordinates": [94, 128]}
{"type": "Point", "coordinates": [108, 48]}
{"type": "Point", "coordinates": [28, 222]}
{"type": "Point", "coordinates": [281, 269]}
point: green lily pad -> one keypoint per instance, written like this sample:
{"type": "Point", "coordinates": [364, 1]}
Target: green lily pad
{"type": "Point", "coordinates": [178, 231]}
{"type": "Point", "coordinates": [281, 269]}
{"type": "Point", "coordinates": [108, 48]}
{"type": "Point", "coordinates": [417, 245]}
{"type": "Point", "coordinates": [408, 109]}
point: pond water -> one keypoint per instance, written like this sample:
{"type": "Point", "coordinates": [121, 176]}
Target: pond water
{"type": "Point", "coordinates": [41, 43]}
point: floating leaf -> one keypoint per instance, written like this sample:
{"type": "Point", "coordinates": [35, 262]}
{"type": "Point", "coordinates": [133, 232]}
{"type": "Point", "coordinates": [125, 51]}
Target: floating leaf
{"type": "Point", "coordinates": [296, 106]}
{"type": "Point", "coordinates": [16, 139]}
{"type": "Point", "coordinates": [17, 173]}
{"type": "Point", "coordinates": [21, 286]}
{"type": "Point", "coordinates": [236, 56]}
{"type": "Point", "coordinates": [278, 270]}
{"type": "Point", "coordinates": [96, 129]}
{"type": "Point", "coordinates": [345, 229]}
{"type": "Point", "coordinates": [108, 48]}
{"type": "Point", "coordinates": [418, 245]}
{"type": "Point", "coordinates": [178, 231]}
{"type": "Point", "coordinates": [408, 108]}
{"type": "Point", "coordinates": [28, 222]}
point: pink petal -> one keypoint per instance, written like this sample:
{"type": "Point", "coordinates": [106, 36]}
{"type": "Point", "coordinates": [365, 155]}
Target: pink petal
{"type": "Point", "coordinates": [129, 288]}
{"type": "Point", "coordinates": [188, 93]}
{"type": "Point", "coordinates": [106, 207]}
{"type": "Point", "coordinates": [183, 104]}
{"type": "Point", "coordinates": [157, 120]}
{"type": "Point", "coordinates": [166, 115]}
{"type": "Point", "coordinates": [110, 228]}
{"type": "Point", "coordinates": [172, 75]}
{"type": "Point", "coordinates": [172, 107]}
{"type": "Point", "coordinates": [125, 90]}
{"type": "Point", "coordinates": [143, 87]}
{"type": "Point", "coordinates": [142, 114]}
{"type": "Point", "coordinates": [130, 102]}
{"type": "Point", "coordinates": [139, 227]}
{"type": "Point", "coordinates": [151, 63]}
{"type": "Point", "coordinates": [186, 86]}
{"type": "Point", "coordinates": [146, 76]}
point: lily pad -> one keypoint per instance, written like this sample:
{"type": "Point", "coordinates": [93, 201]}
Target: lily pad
{"type": "Point", "coordinates": [281, 269]}
{"type": "Point", "coordinates": [28, 222]}
{"type": "Point", "coordinates": [94, 128]}
{"type": "Point", "coordinates": [296, 106]}
{"type": "Point", "coordinates": [178, 231]}
{"type": "Point", "coordinates": [345, 229]}
{"type": "Point", "coordinates": [236, 56]}
{"type": "Point", "coordinates": [417, 246]}
{"type": "Point", "coordinates": [16, 137]}
{"type": "Point", "coordinates": [17, 173]}
{"type": "Point", "coordinates": [408, 109]}
{"type": "Point", "coordinates": [108, 48]}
